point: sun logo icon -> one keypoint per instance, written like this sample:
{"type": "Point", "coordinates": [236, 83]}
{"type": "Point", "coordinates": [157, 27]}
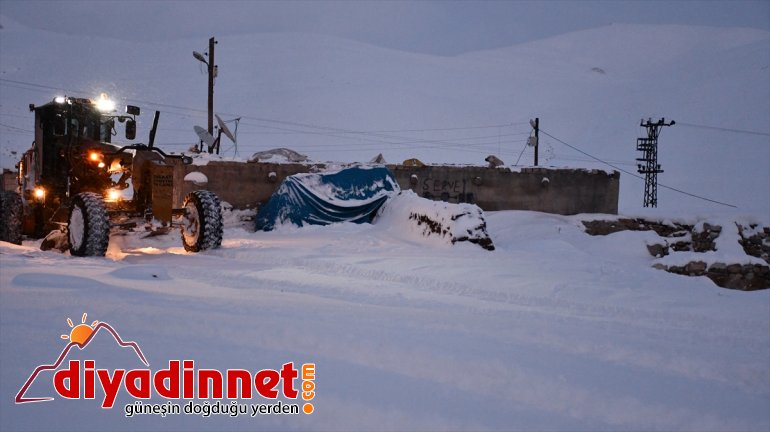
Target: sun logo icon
{"type": "Point", "coordinates": [81, 332]}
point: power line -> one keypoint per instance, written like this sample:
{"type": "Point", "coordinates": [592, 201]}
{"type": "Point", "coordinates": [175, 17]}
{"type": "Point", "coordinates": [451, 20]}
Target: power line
{"type": "Point", "coordinates": [332, 131]}
{"type": "Point", "coordinates": [635, 175]}
{"type": "Point", "coordinates": [268, 120]}
{"type": "Point", "coordinates": [345, 133]}
{"type": "Point", "coordinates": [590, 160]}
{"type": "Point", "coordinates": [11, 131]}
{"type": "Point", "coordinates": [526, 143]}
{"type": "Point", "coordinates": [372, 137]}
{"type": "Point", "coordinates": [16, 115]}
{"type": "Point", "coordinates": [723, 129]}
{"type": "Point", "coordinates": [31, 84]}
{"type": "Point", "coordinates": [15, 128]}
{"type": "Point", "coordinates": [454, 128]}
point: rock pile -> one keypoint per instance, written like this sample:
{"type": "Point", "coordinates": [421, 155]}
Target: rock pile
{"type": "Point", "coordinates": [701, 238]}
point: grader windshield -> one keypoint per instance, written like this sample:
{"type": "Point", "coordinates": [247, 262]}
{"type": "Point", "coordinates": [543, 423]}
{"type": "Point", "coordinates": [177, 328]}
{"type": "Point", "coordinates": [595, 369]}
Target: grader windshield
{"type": "Point", "coordinates": [72, 118]}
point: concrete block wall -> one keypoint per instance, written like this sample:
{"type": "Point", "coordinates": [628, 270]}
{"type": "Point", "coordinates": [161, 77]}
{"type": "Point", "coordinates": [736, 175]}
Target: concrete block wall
{"type": "Point", "coordinates": [10, 180]}
{"type": "Point", "coordinates": [550, 190]}
{"type": "Point", "coordinates": [244, 185]}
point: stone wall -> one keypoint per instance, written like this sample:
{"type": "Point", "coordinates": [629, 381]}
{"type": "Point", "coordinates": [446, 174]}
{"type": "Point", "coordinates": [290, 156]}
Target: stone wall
{"type": "Point", "coordinates": [243, 185]}
{"type": "Point", "coordinates": [678, 237]}
{"type": "Point", "coordinates": [10, 180]}
{"type": "Point", "coordinates": [551, 190]}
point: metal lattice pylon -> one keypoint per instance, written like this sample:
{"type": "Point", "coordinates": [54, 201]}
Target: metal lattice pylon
{"type": "Point", "coordinates": [648, 163]}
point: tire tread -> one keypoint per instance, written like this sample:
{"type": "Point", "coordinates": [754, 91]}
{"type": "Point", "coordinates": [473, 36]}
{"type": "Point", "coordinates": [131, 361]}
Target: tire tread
{"type": "Point", "coordinates": [11, 215]}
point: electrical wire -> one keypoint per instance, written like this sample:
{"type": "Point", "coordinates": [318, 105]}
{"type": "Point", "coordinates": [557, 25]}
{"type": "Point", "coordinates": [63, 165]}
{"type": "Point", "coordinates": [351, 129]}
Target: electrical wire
{"type": "Point", "coordinates": [446, 143]}
{"type": "Point", "coordinates": [331, 131]}
{"type": "Point", "coordinates": [635, 175]}
{"type": "Point", "coordinates": [723, 129]}
{"type": "Point", "coordinates": [377, 137]}
{"type": "Point", "coordinates": [15, 115]}
{"type": "Point", "coordinates": [370, 136]}
{"type": "Point", "coordinates": [454, 128]}
{"type": "Point", "coordinates": [521, 154]}
{"type": "Point", "coordinates": [15, 128]}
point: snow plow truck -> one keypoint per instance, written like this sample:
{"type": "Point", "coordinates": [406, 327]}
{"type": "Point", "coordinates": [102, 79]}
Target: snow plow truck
{"type": "Point", "coordinates": [76, 184]}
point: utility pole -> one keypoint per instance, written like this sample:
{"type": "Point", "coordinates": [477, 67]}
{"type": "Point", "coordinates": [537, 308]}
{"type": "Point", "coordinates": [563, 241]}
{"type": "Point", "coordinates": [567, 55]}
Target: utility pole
{"type": "Point", "coordinates": [649, 161]}
{"type": "Point", "coordinates": [535, 141]}
{"type": "Point", "coordinates": [212, 74]}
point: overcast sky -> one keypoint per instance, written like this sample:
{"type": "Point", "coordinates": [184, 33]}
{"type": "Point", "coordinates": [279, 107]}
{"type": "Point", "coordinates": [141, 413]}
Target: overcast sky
{"type": "Point", "coordinates": [436, 27]}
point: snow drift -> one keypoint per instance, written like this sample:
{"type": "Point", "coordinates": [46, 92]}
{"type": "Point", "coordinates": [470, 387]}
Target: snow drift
{"type": "Point", "coordinates": [278, 155]}
{"type": "Point", "coordinates": [451, 223]}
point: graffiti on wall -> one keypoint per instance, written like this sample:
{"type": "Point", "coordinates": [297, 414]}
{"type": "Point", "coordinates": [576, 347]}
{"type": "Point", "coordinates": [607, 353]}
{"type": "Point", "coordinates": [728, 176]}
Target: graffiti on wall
{"type": "Point", "coordinates": [446, 189]}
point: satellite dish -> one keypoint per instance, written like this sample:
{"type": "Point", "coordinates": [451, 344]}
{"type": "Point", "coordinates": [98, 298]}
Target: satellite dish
{"type": "Point", "coordinates": [204, 135]}
{"type": "Point", "coordinates": [223, 127]}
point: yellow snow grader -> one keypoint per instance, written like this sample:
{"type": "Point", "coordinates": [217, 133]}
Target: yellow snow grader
{"type": "Point", "coordinates": [75, 182]}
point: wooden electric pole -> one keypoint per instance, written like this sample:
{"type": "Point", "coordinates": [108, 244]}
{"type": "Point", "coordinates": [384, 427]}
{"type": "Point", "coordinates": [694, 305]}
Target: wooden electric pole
{"type": "Point", "coordinates": [212, 70]}
{"type": "Point", "coordinates": [537, 137]}
{"type": "Point", "coordinates": [534, 141]}
{"type": "Point", "coordinates": [212, 73]}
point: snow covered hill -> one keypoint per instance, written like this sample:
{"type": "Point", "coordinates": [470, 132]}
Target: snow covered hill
{"type": "Point", "coordinates": [339, 100]}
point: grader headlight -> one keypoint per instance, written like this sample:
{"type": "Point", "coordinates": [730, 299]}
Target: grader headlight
{"type": "Point", "coordinates": [39, 194]}
{"type": "Point", "coordinates": [113, 195]}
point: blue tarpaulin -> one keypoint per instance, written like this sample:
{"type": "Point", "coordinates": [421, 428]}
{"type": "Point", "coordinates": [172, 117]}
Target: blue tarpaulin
{"type": "Point", "coordinates": [350, 195]}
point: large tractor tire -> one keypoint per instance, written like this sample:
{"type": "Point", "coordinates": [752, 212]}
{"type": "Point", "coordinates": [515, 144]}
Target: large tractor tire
{"type": "Point", "coordinates": [89, 225]}
{"type": "Point", "coordinates": [202, 228]}
{"type": "Point", "coordinates": [11, 215]}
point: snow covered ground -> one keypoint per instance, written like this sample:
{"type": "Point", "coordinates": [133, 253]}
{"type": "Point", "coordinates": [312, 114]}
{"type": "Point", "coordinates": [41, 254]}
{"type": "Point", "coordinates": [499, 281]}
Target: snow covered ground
{"type": "Point", "coordinates": [553, 330]}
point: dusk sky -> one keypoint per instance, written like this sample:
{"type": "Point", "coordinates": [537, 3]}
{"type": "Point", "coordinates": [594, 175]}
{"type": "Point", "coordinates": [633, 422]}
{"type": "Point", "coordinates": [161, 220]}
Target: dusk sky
{"type": "Point", "coordinates": [435, 27]}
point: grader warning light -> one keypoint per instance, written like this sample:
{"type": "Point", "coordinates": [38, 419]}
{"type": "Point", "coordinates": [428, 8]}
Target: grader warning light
{"type": "Point", "coordinates": [104, 103]}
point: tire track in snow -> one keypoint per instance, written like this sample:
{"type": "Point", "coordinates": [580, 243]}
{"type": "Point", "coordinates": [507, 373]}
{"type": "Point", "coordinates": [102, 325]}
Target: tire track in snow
{"type": "Point", "coordinates": [682, 331]}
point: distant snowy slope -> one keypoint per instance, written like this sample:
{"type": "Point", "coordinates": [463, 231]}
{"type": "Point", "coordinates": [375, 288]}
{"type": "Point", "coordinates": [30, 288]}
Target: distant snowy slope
{"type": "Point", "coordinates": [316, 94]}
